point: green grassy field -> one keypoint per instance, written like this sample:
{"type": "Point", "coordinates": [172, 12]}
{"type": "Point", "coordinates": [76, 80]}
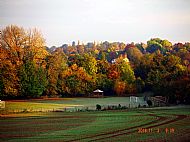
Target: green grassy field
{"type": "Point", "coordinates": [155, 124]}
{"type": "Point", "coordinates": [71, 104]}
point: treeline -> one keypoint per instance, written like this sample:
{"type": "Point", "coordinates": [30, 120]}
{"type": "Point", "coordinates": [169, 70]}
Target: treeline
{"type": "Point", "coordinates": [28, 69]}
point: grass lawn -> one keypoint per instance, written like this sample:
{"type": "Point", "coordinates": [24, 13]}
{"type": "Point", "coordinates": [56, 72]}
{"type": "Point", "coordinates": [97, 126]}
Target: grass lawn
{"type": "Point", "coordinates": [40, 105]}
{"type": "Point", "coordinates": [163, 124]}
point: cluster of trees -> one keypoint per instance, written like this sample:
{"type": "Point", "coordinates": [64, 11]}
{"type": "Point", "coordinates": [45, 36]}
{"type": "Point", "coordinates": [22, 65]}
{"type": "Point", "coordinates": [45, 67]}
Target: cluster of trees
{"type": "Point", "coordinates": [29, 69]}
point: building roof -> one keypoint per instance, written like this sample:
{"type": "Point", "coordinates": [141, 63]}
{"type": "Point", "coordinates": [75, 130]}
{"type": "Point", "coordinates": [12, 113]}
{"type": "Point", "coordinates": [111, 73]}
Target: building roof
{"type": "Point", "coordinates": [98, 91]}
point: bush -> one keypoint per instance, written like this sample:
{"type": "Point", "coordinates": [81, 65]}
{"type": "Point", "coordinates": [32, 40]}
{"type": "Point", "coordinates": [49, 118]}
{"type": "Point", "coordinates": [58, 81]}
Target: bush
{"type": "Point", "coordinates": [149, 102]}
{"type": "Point", "coordinates": [98, 107]}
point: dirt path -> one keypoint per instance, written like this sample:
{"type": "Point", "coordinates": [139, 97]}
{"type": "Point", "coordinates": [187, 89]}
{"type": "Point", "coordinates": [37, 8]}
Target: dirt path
{"type": "Point", "coordinates": [130, 130]}
{"type": "Point", "coordinates": [179, 117]}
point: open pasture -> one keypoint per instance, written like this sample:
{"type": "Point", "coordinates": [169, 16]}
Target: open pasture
{"type": "Point", "coordinates": [163, 124]}
{"type": "Point", "coordinates": [62, 104]}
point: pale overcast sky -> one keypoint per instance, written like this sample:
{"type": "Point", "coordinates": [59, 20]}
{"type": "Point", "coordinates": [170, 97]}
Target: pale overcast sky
{"type": "Point", "coordinates": [64, 21]}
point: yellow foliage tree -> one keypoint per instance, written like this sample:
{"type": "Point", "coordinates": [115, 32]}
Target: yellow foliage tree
{"type": "Point", "coordinates": [17, 46]}
{"type": "Point", "coordinates": [120, 87]}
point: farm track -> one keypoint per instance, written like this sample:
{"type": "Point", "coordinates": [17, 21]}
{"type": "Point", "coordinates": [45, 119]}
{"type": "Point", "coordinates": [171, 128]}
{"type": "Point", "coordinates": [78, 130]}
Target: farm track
{"type": "Point", "coordinates": [156, 123]}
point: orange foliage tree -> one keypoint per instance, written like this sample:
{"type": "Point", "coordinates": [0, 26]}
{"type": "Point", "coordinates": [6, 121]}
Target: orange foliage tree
{"type": "Point", "coordinates": [18, 46]}
{"type": "Point", "coordinates": [75, 80]}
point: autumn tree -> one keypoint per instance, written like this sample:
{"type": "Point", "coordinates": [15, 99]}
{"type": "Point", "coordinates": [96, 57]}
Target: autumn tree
{"type": "Point", "coordinates": [17, 47]}
{"type": "Point", "coordinates": [142, 47]}
{"type": "Point", "coordinates": [165, 43]}
{"type": "Point", "coordinates": [102, 66]}
{"type": "Point", "coordinates": [12, 40]}
{"type": "Point", "coordinates": [74, 81]}
{"type": "Point", "coordinates": [55, 64]}
{"type": "Point", "coordinates": [127, 76]}
{"type": "Point", "coordinates": [104, 78]}
{"type": "Point", "coordinates": [133, 53]}
{"type": "Point", "coordinates": [126, 72]}
{"type": "Point", "coordinates": [143, 67]}
{"type": "Point", "coordinates": [120, 87]}
{"type": "Point", "coordinates": [87, 61]}
{"type": "Point", "coordinates": [160, 73]}
{"type": "Point", "coordinates": [123, 76]}
{"type": "Point", "coordinates": [154, 45]}
{"type": "Point", "coordinates": [113, 72]}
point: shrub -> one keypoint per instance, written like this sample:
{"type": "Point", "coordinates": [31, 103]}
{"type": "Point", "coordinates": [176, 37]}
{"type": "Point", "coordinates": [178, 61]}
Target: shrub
{"type": "Point", "coordinates": [149, 102]}
{"type": "Point", "coordinates": [98, 107]}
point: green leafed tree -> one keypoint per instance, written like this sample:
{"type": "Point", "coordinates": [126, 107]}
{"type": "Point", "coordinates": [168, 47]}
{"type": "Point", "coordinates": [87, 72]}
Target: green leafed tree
{"type": "Point", "coordinates": [55, 64]}
{"type": "Point", "coordinates": [125, 82]}
{"type": "Point", "coordinates": [165, 43]}
{"type": "Point", "coordinates": [75, 81]}
{"type": "Point", "coordinates": [33, 80]}
{"type": "Point", "coordinates": [88, 62]}
{"type": "Point", "coordinates": [154, 45]}
{"type": "Point", "coordinates": [126, 72]}
{"type": "Point", "coordinates": [133, 53]}
{"type": "Point", "coordinates": [16, 45]}
{"type": "Point", "coordinates": [164, 73]}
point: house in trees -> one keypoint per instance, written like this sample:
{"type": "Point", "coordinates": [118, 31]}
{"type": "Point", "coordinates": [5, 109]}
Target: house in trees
{"type": "Point", "coordinates": [120, 58]}
{"type": "Point", "coordinates": [97, 93]}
